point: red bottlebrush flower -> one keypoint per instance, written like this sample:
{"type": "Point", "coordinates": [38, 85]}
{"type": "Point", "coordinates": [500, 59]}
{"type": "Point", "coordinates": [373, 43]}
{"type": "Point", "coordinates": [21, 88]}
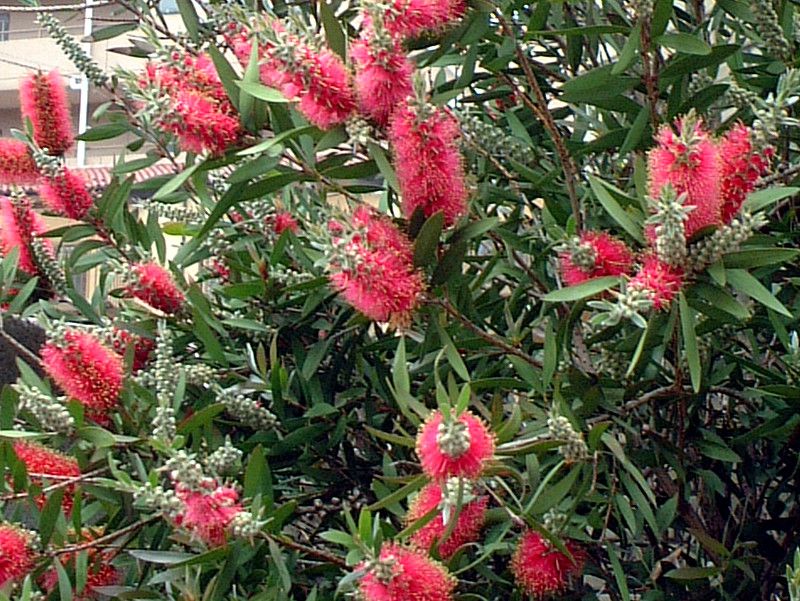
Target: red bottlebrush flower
{"type": "Point", "coordinates": [16, 553]}
{"type": "Point", "coordinates": [411, 18]}
{"type": "Point", "coordinates": [38, 459]}
{"type": "Point", "coordinates": [207, 515]}
{"type": "Point", "coordinates": [86, 371]}
{"type": "Point", "coordinates": [142, 347]}
{"type": "Point", "coordinates": [100, 571]}
{"type": "Point", "coordinates": [466, 530]}
{"type": "Point", "coordinates": [283, 221]}
{"type": "Point", "coordinates": [541, 569]}
{"type": "Point", "coordinates": [461, 447]}
{"type": "Point", "coordinates": [318, 79]}
{"type": "Point", "coordinates": [378, 278]}
{"type": "Point", "coordinates": [690, 162]}
{"type": "Point", "coordinates": [43, 100]}
{"type": "Point", "coordinates": [201, 116]}
{"type": "Point", "coordinates": [428, 163]}
{"type": "Point", "coordinates": [599, 254]}
{"type": "Point", "coordinates": [18, 226]}
{"type": "Point", "coordinates": [383, 78]}
{"type": "Point", "coordinates": [660, 280]}
{"type": "Point", "coordinates": [16, 163]}
{"type": "Point", "coordinates": [67, 194]}
{"type": "Point", "coordinates": [742, 166]}
{"type": "Point", "coordinates": [155, 286]}
{"type": "Point", "coordinates": [404, 574]}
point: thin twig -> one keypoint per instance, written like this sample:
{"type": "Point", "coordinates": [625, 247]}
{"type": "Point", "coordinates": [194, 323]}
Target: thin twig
{"type": "Point", "coordinates": [112, 536]}
{"type": "Point", "coordinates": [287, 542]}
{"type": "Point", "coordinates": [483, 334]}
{"type": "Point", "coordinates": [542, 112]}
{"type": "Point", "coordinates": [20, 348]}
{"type": "Point", "coordinates": [64, 481]}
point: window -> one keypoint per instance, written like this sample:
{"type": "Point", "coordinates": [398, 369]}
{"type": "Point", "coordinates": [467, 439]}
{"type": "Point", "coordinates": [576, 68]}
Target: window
{"type": "Point", "coordinates": [5, 26]}
{"type": "Point", "coordinates": [168, 7]}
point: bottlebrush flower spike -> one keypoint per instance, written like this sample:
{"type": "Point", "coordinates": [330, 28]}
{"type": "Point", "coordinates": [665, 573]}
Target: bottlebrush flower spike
{"type": "Point", "coordinates": [742, 166]}
{"type": "Point", "coordinates": [428, 163]}
{"type": "Point", "coordinates": [100, 572]}
{"type": "Point", "coordinates": [660, 280]}
{"type": "Point", "coordinates": [16, 163]}
{"type": "Point", "coordinates": [282, 221]}
{"type": "Point", "coordinates": [383, 77]}
{"type": "Point", "coordinates": [468, 524]}
{"type": "Point", "coordinates": [66, 194]}
{"type": "Point", "coordinates": [155, 286]}
{"type": "Point", "coordinates": [411, 18]}
{"type": "Point", "coordinates": [142, 347]}
{"type": "Point", "coordinates": [540, 569]}
{"type": "Point", "coordinates": [596, 254]}
{"type": "Point", "coordinates": [43, 100]}
{"type": "Point", "coordinates": [18, 226]}
{"type": "Point", "coordinates": [17, 554]}
{"type": "Point", "coordinates": [207, 515]}
{"type": "Point", "coordinates": [375, 270]}
{"type": "Point", "coordinates": [200, 114]}
{"type": "Point", "coordinates": [404, 574]}
{"type": "Point", "coordinates": [460, 446]}
{"type": "Point", "coordinates": [690, 162]}
{"type": "Point", "coordinates": [38, 459]}
{"type": "Point", "coordinates": [86, 371]}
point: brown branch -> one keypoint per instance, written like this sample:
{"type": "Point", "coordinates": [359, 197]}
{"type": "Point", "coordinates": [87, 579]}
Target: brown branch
{"type": "Point", "coordinates": [97, 542]}
{"type": "Point", "coordinates": [63, 482]}
{"type": "Point", "coordinates": [20, 348]}
{"type": "Point", "coordinates": [287, 542]}
{"type": "Point", "coordinates": [649, 73]}
{"type": "Point", "coordinates": [539, 108]}
{"type": "Point", "coordinates": [483, 334]}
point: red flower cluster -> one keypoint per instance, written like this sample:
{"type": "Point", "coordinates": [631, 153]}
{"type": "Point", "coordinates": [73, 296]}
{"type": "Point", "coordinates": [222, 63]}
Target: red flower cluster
{"type": "Point", "coordinates": [742, 165]}
{"type": "Point", "coordinates": [428, 163]}
{"type": "Point", "coordinates": [379, 278]}
{"type": "Point", "coordinates": [43, 100]}
{"type": "Point", "coordinates": [16, 553]}
{"type": "Point", "coordinates": [86, 371]}
{"type": "Point", "coordinates": [66, 194]}
{"type": "Point", "coordinates": [155, 286]}
{"type": "Point", "coordinates": [461, 447]}
{"type": "Point", "coordinates": [16, 163]}
{"type": "Point", "coordinates": [100, 572]}
{"type": "Point", "coordinates": [201, 116]}
{"type": "Point", "coordinates": [207, 515]}
{"type": "Point", "coordinates": [610, 257]}
{"type": "Point", "coordinates": [542, 570]}
{"type": "Point", "coordinates": [467, 527]}
{"type": "Point", "coordinates": [383, 78]}
{"type": "Point", "coordinates": [282, 221]}
{"type": "Point", "coordinates": [142, 347]}
{"type": "Point", "coordinates": [406, 574]}
{"type": "Point", "coordinates": [411, 18]}
{"type": "Point", "coordinates": [660, 280]}
{"type": "Point", "coordinates": [38, 459]}
{"type": "Point", "coordinates": [18, 226]}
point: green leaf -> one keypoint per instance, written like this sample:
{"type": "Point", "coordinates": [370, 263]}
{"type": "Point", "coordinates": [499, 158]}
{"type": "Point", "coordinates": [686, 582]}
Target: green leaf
{"type": "Point", "coordinates": [334, 34]}
{"type": "Point", "coordinates": [50, 513]}
{"type": "Point", "coordinates": [763, 198]}
{"type": "Point", "coordinates": [603, 191]}
{"type": "Point", "coordinates": [175, 182]}
{"type": "Point", "coordinates": [384, 166]}
{"type": "Point", "coordinates": [262, 92]}
{"type": "Point", "coordinates": [104, 132]}
{"type": "Point", "coordinates": [190, 18]}
{"type": "Point", "coordinates": [427, 241]}
{"type": "Point", "coordinates": [286, 135]}
{"type": "Point", "coordinates": [112, 31]}
{"type": "Point", "coordinates": [400, 494]}
{"type": "Point", "coordinates": [692, 573]}
{"type": "Point", "coordinates": [160, 557]}
{"type": "Point", "coordinates": [450, 264]}
{"type": "Point", "coordinates": [630, 51]}
{"type": "Point", "coordinates": [684, 42]}
{"type": "Point", "coordinates": [747, 284]}
{"type": "Point", "coordinates": [257, 477]}
{"type": "Point", "coordinates": [759, 257]}
{"type": "Point", "coordinates": [582, 290]}
{"type": "Point", "coordinates": [619, 573]}
{"type": "Point", "coordinates": [690, 342]}
{"type": "Point", "coordinates": [226, 74]}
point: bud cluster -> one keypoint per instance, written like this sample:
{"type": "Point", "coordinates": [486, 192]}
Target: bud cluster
{"type": "Point", "coordinates": [494, 140]}
{"type": "Point", "coordinates": [51, 413]}
{"type": "Point", "coordinates": [69, 46]}
{"type": "Point", "coordinates": [225, 461]}
{"type": "Point", "coordinates": [453, 437]}
{"type": "Point", "coordinates": [48, 265]}
{"type": "Point", "coordinates": [724, 240]}
{"type": "Point", "coordinates": [629, 305]}
{"type": "Point", "coordinates": [174, 212]}
{"type": "Point", "coordinates": [669, 221]}
{"type": "Point", "coordinates": [48, 165]}
{"type": "Point", "coordinates": [165, 501]}
{"type": "Point", "coordinates": [359, 131]}
{"type": "Point", "coordinates": [247, 410]}
{"type": "Point", "coordinates": [185, 470]}
{"type": "Point", "coordinates": [574, 447]}
{"type": "Point", "coordinates": [768, 26]}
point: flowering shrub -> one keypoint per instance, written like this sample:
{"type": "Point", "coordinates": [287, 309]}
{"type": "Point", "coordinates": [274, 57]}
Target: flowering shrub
{"type": "Point", "coordinates": [442, 301]}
